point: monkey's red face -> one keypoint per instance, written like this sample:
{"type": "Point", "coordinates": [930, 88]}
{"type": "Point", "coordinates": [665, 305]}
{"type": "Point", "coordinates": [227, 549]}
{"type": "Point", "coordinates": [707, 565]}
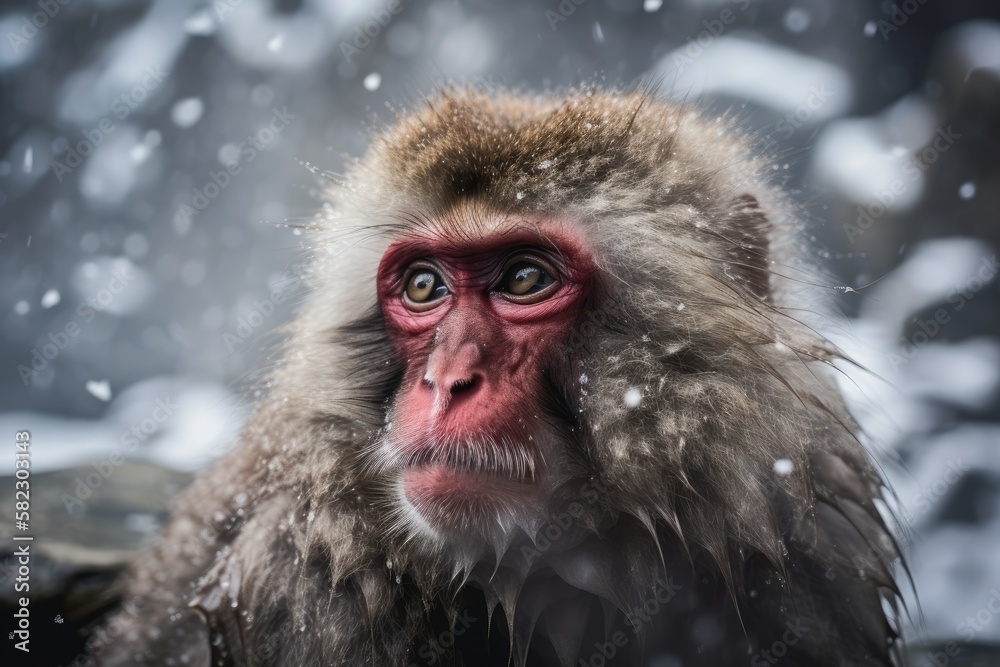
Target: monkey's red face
{"type": "Point", "coordinates": [477, 322]}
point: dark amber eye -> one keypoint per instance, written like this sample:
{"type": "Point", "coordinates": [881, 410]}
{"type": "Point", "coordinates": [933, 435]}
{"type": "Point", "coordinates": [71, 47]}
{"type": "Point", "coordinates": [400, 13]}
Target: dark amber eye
{"type": "Point", "coordinates": [423, 288]}
{"type": "Point", "coordinates": [527, 280]}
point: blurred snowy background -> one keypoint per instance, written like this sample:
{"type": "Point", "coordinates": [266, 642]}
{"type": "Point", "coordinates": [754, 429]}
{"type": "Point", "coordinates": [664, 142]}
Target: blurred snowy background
{"type": "Point", "coordinates": [152, 152]}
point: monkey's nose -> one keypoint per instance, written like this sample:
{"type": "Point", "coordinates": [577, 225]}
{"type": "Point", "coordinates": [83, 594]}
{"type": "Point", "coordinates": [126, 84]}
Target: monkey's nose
{"type": "Point", "coordinates": [453, 375]}
{"type": "Point", "coordinates": [451, 391]}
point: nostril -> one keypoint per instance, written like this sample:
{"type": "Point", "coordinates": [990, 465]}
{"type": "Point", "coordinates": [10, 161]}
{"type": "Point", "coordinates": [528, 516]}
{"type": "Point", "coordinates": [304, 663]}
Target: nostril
{"type": "Point", "coordinates": [464, 385]}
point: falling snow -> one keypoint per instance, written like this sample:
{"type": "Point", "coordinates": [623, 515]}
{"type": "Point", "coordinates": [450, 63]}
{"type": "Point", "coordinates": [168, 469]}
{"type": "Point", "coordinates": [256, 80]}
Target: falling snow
{"type": "Point", "coordinates": [51, 298]}
{"type": "Point", "coordinates": [99, 389]}
{"type": "Point", "coordinates": [797, 19]}
{"type": "Point", "coordinates": [598, 33]}
{"type": "Point", "coordinates": [275, 43]}
{"type": "Point", "coordinates": [201, 24]}
{"type": "Point", "coordinates": [187, 112]}
{"type": "Point", "coordinates": [633, 397]}
{"type": "Point", "coordinates": [783, 467]}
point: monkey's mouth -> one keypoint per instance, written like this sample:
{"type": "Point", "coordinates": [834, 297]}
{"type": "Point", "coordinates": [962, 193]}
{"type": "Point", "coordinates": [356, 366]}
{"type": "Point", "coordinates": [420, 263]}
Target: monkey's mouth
{"type": "Point", "coordinates": [450, 484]}
{"type": "Point", "coordinates": [499, 461]}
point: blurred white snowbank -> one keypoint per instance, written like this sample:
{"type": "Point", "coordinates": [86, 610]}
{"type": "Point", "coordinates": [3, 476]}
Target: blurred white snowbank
{"type": "Point", "coordinates": [762, 73]}
{"type": "Point", "coordinates": [180, 424]}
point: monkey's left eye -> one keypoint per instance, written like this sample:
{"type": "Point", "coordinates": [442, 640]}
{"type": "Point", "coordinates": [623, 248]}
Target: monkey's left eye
{"type": "Point", "coordinates": [527, 279]}
{"type": "Point", "coordinates": [424, 287]}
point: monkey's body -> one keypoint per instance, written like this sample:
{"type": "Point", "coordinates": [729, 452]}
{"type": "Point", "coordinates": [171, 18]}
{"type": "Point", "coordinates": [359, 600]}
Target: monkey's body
{"type": "Point", "coordinates": [646, 440]}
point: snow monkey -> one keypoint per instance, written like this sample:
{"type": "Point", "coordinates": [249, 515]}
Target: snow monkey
{"type": "Point", "coordinates": [550, 402]}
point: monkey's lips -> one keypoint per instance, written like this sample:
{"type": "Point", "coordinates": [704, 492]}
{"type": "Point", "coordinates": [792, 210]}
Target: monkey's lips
{"type": "Point", "coordinates": [436, 484]}
{"type": "Point", "coordinates": [473, 476]}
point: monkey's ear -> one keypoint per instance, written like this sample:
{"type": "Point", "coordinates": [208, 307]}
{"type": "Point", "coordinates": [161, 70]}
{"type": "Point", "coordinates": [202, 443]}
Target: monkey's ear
{"type": "Point", "coordinates": [747, 253]}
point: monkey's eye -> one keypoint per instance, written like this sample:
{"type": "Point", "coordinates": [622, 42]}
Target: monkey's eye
{"type": "Point", "coordinates": [527, 279]}
{"type": "Point", "coordinates": [424, 288]}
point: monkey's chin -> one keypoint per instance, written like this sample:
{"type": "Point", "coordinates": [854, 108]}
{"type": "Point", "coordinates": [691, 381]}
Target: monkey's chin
{"type": "Point", "coordinates": [451, 499]}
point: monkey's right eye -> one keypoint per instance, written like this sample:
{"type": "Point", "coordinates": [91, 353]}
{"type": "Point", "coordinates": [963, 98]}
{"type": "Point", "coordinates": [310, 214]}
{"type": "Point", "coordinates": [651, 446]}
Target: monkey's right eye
{"type": "Point", "coordinates": [424, 288]}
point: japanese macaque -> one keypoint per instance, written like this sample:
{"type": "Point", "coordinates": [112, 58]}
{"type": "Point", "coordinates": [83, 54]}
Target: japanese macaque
{"type": "Point", "coordinates": [549, 403]}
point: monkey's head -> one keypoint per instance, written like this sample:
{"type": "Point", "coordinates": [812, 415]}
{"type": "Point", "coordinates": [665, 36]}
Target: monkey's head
{"type": "Point", "coordinates": [577, 304]}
